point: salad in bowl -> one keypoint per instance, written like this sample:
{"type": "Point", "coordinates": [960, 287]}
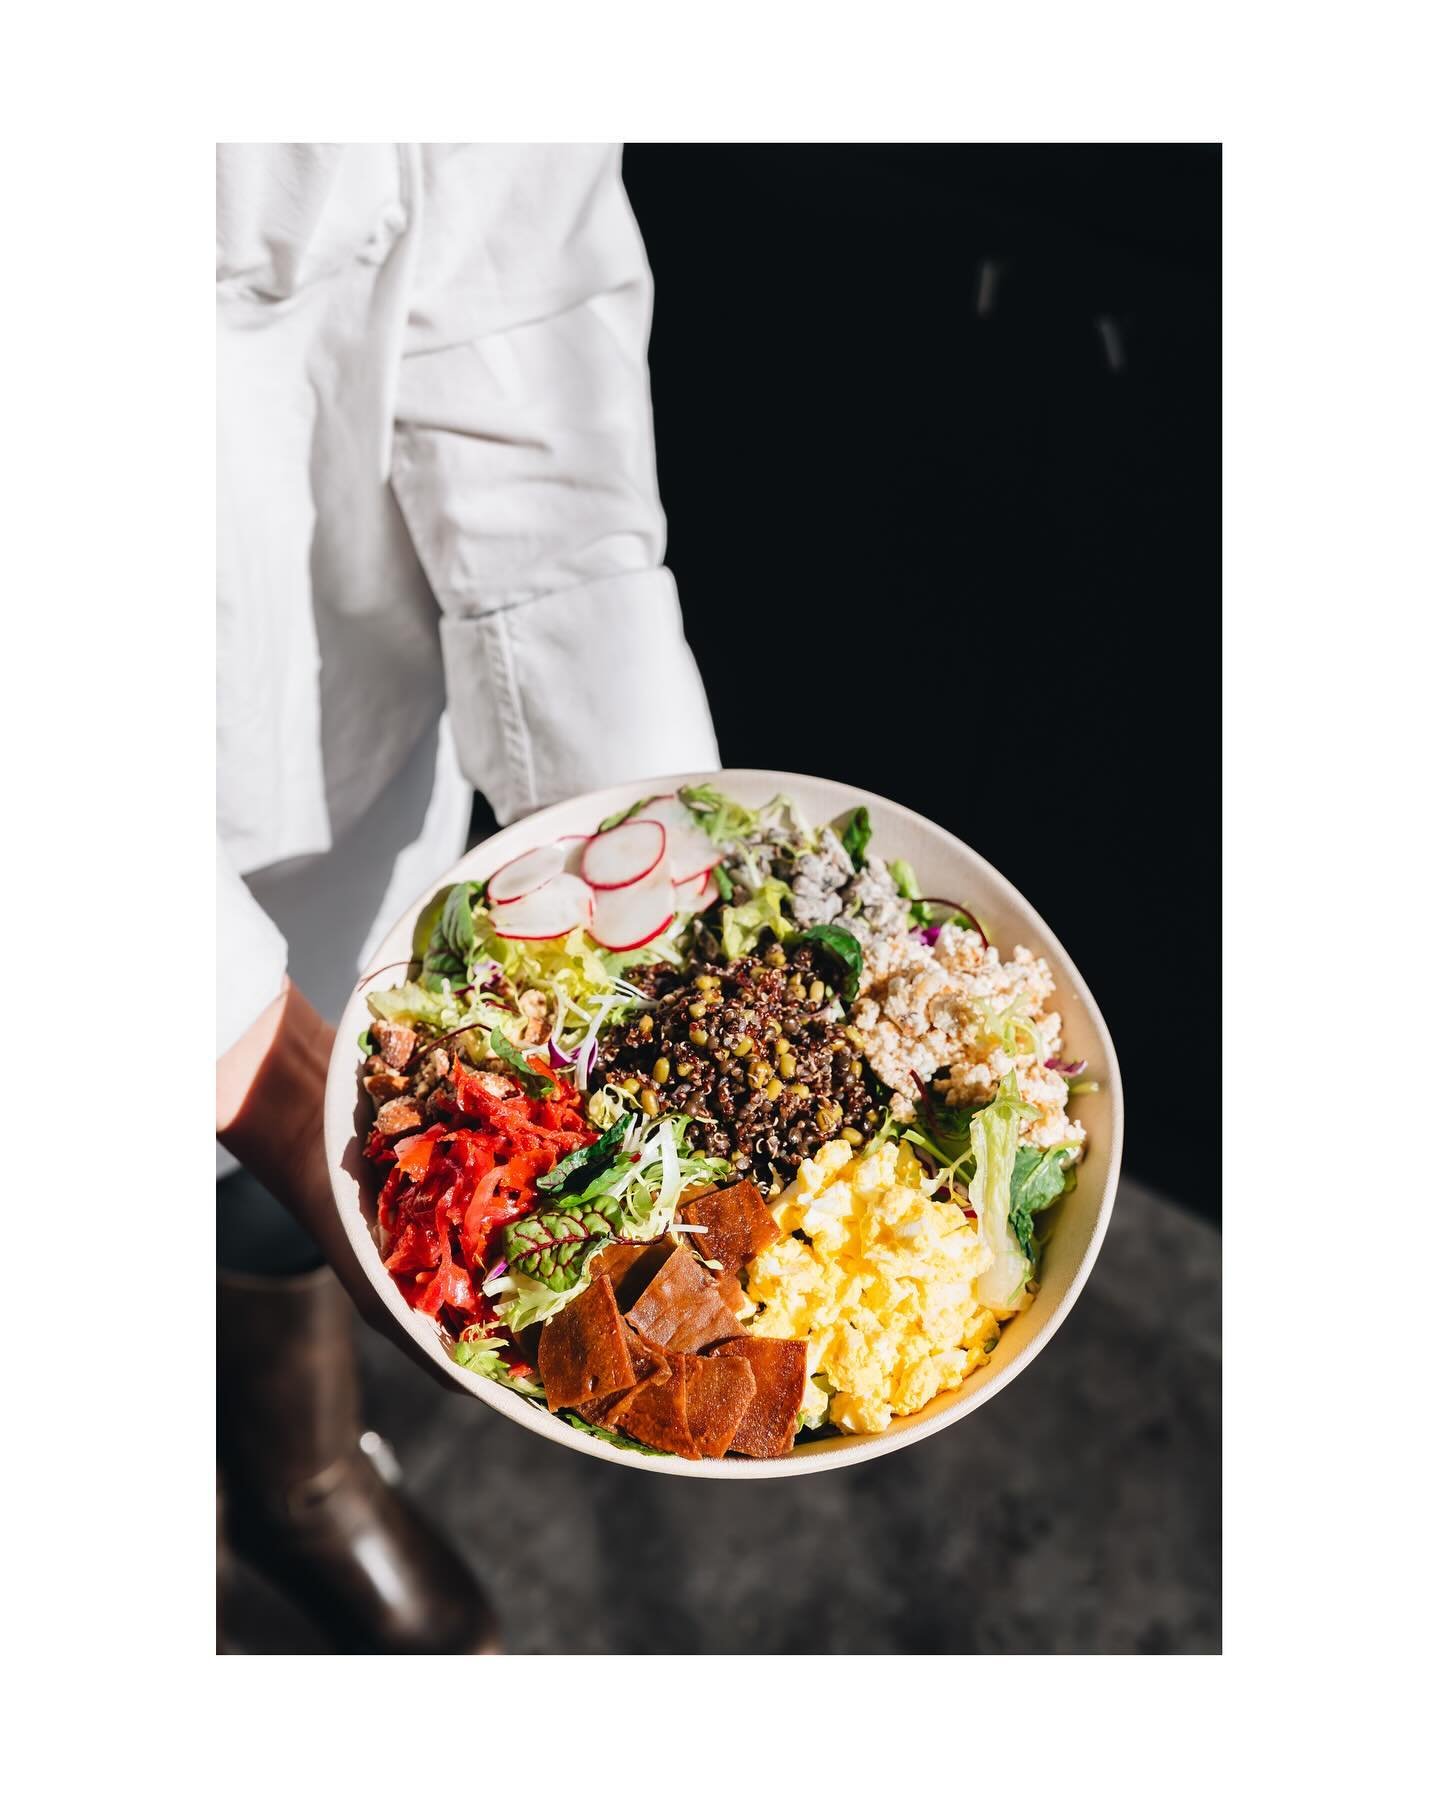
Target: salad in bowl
{"type": "Point", "coordinates": [699, 1128]}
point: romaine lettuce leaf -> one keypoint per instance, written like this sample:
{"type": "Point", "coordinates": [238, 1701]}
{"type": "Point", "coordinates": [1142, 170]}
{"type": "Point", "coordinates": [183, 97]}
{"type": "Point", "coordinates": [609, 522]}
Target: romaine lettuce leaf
{"type": "Point", "coordinates": [410, 1004]}
{"type": "Point", "coordinates": [995, 1138]}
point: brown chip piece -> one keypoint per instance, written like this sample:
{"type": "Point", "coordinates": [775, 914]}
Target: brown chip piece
{"type": "Point", "coordinates": [718, 1393]}
{"type": "Point", "coordinates": [630, 1267]}
{"type": "Point", "coordinates": [730, 1291]}
{"type": "Point", "coordinates": [655, 1413]}
{"type": "Point", "coordinates": [583, 1350]}
{"type": "Point", "coordinates": [778, 1365]}
{"type": "Point", "coordinates": [649, 1364]}
{"type": "Point", "coordinates": [739, 1225]}
{"type": "Point", "coordinates": [681, 1309]}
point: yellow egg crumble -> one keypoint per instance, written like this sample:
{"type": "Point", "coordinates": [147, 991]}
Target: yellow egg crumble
{"type": "Point", "coordinates": [883, 1291]}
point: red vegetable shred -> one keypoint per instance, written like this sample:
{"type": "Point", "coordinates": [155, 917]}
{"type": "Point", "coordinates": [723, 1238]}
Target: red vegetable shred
{"type": "Point", "coordinates": [452, 1187]}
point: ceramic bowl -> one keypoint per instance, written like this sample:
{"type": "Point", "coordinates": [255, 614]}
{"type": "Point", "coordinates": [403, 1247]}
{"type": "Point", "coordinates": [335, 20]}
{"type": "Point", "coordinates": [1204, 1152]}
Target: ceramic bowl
{"type": "Point", "coordinates": [944, 865]}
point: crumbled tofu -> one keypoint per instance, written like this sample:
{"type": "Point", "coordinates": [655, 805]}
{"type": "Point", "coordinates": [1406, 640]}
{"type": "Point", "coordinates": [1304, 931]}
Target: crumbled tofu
{"type": "Point", "coordinates": [958, 1007]}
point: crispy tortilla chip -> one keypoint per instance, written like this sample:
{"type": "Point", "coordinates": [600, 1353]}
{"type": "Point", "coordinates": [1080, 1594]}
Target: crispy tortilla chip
{"type": "Point", "coordinates": [630, 1268]}
{"type": "Point", "coordinates": [655, 1413]}
{"type": "Point", "coordinates": [778, 1365]}
{"type": "Point", "coordinates": [718, 1393]}
{"type": "Point", "coordinates": [681, 1309]}
{"type": "Point", "coordinates": [583, 1350]}
{"type": "Point", "coordinates": [739, 1225]}
{"type": "Point", "coordinates": [649, 1364]}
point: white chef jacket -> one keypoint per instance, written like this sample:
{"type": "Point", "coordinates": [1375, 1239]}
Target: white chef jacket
{"type": "Point", "coordinates": [440, 537]}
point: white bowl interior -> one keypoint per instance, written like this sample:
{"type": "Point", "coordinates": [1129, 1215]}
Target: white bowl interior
{"type": "Point", "coordinates": [944, 866]}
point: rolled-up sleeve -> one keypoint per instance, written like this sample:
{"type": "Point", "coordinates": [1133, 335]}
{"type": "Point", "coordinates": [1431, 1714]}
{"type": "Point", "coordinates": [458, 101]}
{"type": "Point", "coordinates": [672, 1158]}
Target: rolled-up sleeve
{"type": "Point", "coordinates": [524, 464]}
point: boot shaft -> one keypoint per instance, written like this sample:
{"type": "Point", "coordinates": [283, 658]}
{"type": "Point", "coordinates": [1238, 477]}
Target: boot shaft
{"type": "Point", "coordinates": [287, 1396]}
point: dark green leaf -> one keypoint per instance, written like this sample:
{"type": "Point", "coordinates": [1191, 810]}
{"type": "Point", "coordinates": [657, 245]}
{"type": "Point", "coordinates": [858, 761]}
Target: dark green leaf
{"type": "Point", "coordinates": [552, 1247]}
{"type": "Point", "coordinates": [856, 837]}
{"type": "Point", "coordinates": [449, 952]}
{"type": "Point", "coordinates": [844, 948]}
{"type": "Point", "coordinates": [589, 1158]}
{"type": "Point", "coordinates": [1038, 1180]}
{"type": "Point", "coordinates": [944, 1130]}
{"type": "Point", "coordinates": [534, 1081]}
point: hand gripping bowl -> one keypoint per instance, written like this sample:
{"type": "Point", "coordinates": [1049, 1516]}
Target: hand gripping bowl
{"type": "Point", "coordinates": [944, 866]}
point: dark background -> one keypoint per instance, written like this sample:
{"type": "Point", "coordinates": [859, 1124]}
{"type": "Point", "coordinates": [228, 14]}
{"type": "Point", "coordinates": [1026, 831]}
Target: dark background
{"type": "Point", "coordinates": [938, 435]}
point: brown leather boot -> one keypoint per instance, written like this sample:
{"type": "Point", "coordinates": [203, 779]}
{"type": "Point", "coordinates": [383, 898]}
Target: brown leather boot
{"type": "Point", "coordinates": [304, 1503]}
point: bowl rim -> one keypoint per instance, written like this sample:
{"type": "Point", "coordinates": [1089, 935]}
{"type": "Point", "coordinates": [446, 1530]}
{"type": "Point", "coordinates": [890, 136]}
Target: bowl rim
{"type": "Point", "coordinates": [830, 1453]}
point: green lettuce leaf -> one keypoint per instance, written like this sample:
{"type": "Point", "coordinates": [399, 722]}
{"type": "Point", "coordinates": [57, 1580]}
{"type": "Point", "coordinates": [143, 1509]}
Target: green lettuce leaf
{"type": "Point", "coordinates": [944, 1130]}
{"type": "Point", "coordinates": [1038, 1180]}
{"type": "Point", "coordinates": [533, 1081]}
{"type": "Point", "coordinates": [903, 875]}
{"type": "Point", "coordinates": [483, 1355]}
{"type": "Point", "coordinates": [722, 819]}
{"type": "Point", "coordinates": [843, 947]}
{"type": "Point", "coordinates": [856, 837]}
{"type": "Point", "coordinates": [450, 953]}
{"type": "Point", "coordinates": [995, 1139]}
{"type": "Point", "coordinates": [618, 1438]}
{"type": "Point", "coordinates": [532, 1302]}
{"type": "Point", "coordinates": [742, 927]}
{"type": "Point", "coordinates": [553, 1247]}
{"type": "Point", "coordinates": [410, 1004]}
{"type": "Point", "coordinates": [587, 1160]}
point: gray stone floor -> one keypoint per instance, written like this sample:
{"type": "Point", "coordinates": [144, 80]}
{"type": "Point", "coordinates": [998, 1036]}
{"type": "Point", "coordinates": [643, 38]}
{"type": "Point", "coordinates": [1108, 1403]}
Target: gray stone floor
{"type": "Point", "coordinates": [1077, 1513]}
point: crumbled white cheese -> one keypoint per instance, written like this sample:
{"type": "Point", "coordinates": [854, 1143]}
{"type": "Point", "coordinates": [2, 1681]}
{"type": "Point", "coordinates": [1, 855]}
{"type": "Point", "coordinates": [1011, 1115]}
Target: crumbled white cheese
{"type": "Point", "coordinates": [958, 1007]}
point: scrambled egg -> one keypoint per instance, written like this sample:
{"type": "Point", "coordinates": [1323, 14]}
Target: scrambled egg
{"type": "Point", "coordinates": [883, 1291]}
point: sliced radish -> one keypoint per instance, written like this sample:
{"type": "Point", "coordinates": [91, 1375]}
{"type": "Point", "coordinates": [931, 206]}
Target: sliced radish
{"type": "Point", "coordinates": [627, 917]}
{"type": "Point", "coordinates": [548, 911]}
{"type": "Point", "coordinates": [625, 854]}
{"type": "Point", "coordinates": [574, 847]}
{"type": "Point", "coordinates": [697, 893]}
{"type": "Point", "coordinates": [691, 852]}
{"type": "Point", "coordinates": [524, 873]}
